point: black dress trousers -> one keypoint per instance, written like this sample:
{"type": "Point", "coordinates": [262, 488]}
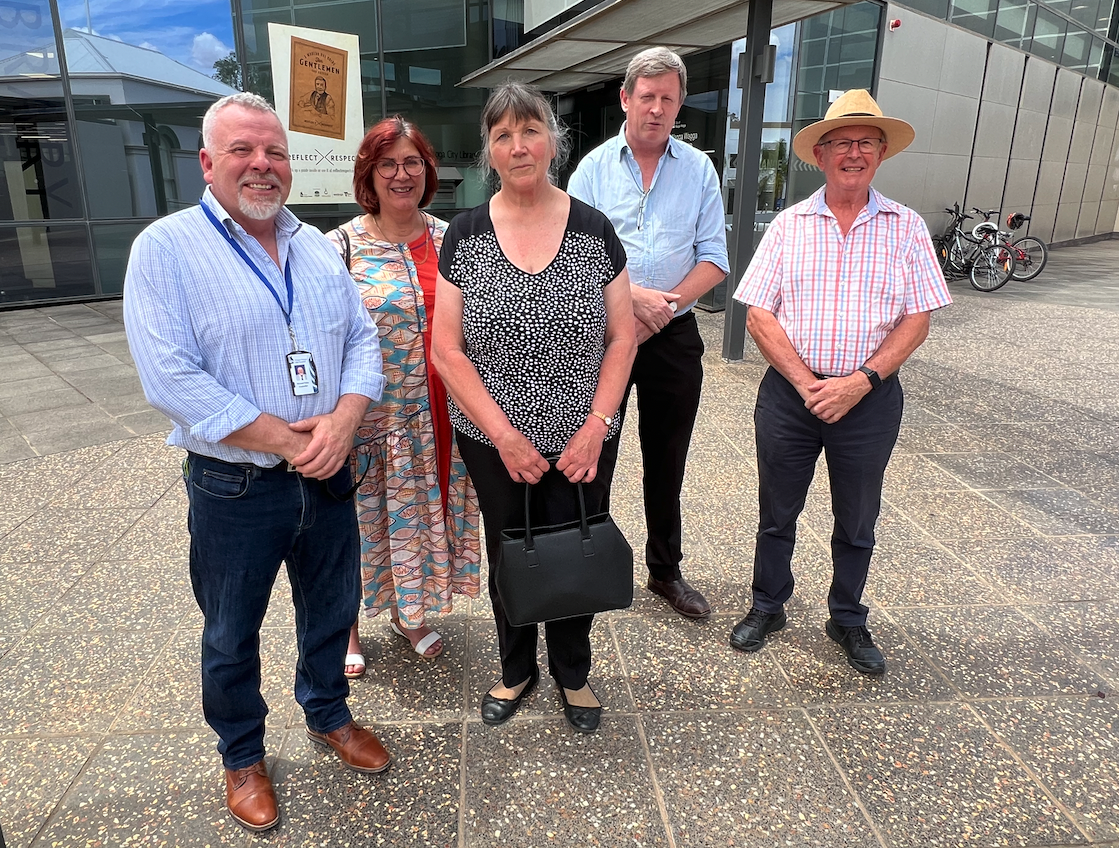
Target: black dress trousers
{"type": "Point", "coordinates": [554, 501]}
{"type": "Point", "coordinates": [668, 375]}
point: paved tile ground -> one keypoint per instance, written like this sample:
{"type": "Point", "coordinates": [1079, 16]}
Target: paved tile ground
{"type": "Point", "coordinates": [995, 594]}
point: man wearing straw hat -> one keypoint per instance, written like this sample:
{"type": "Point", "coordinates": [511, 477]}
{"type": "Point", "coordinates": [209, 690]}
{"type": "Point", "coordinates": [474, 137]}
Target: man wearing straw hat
{"type": "Point", "coordinates": [840, 292]}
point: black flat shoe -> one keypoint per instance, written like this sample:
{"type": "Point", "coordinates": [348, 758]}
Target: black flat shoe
{"type": "Point", "coordinates": [583, 719]}
{"type": "Point", "coordinates": [499, 710]}
{"type": "Point", "coordinates": [749, 634]}
{"type": "Point", "coordinates": [862, 655]}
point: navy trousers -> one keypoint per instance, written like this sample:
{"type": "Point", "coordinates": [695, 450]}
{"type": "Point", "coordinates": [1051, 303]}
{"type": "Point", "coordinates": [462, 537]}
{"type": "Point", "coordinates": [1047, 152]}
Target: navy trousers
{"type": "Point", "coordinates": [857, 449]}
{"type": "Point", "coordinates": [244, 521]}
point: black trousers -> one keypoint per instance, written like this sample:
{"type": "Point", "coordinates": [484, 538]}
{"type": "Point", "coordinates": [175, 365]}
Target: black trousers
{"type": "Point", "coordinates": [668, 375]}
{"type": "Point", "coordinates": [502, 502]}
{"type": "Point", "coordinates": [858, 448]}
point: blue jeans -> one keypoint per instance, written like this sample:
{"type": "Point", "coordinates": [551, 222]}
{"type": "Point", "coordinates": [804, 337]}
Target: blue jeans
{"type": "Point", "coordinates": [244, 521]}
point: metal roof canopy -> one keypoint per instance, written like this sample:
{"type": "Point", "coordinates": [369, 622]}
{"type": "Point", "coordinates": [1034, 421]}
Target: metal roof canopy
{"type": "Point", "coordinates": [596, 45]}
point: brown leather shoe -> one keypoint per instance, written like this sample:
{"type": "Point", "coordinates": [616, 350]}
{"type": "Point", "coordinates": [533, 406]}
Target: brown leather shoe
{"type": "Point", "coordinates": [355, 746]}
{"type": "Point", "coordinates": [250, 797]}
{"type": "Point", "coordinates": [682, 597]}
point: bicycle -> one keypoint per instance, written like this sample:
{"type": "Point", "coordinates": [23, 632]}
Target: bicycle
{"type": "Point", "coordinates": [1030, 253]}
{"type": "Point", "coordinates": [987, 265]}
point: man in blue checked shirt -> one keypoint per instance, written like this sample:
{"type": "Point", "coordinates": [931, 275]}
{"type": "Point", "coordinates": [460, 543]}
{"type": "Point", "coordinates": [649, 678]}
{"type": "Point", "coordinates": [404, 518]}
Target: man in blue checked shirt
{"type": "Point", "coordinates": [249, 334]}
{"type": "Point", "coordinates": [663, 198]}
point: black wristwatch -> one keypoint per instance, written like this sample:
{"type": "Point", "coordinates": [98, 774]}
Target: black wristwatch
{"type": "Point", "coordinates": [872, 375]}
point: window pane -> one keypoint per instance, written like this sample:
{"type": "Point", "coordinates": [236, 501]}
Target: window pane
{"type": "Point", "coordinates": [141, 84]}
{"type": "Point", "coordinates": [421, 85]}
{"type": "Point", "coordinates": [976, 15]}
{"type": "Point", "coordinates": [347, 16]}
{"type": "Point", "coordinates": [936, 8]}
{"type": "Point", "coordinates": [1076, 50]}
{"type": "Point", "coordinates": [27, 45]}
{"type": "Point", "coordinates": [1049, 36]}
{"type": "Point", "coordinates": [44, 263]}
{"type": "Point", "coordinates": [432, 24]}
{"type": "Point", "coordinates": [39, 179]}
{"type": "Point", "coordinates": [1015, 23]}
{"type": "Point", "coordinates": [111, 244]}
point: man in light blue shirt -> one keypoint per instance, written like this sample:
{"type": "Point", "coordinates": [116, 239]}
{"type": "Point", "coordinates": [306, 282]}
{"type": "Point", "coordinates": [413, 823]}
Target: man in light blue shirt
{"type": "Point", "coordinates": [663, 198]}
{"type": "Point", "coordinates": [249, 334]}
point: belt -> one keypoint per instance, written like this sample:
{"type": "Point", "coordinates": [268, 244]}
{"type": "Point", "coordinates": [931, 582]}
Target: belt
{"type": "Point", "coordinates": [282, 465]}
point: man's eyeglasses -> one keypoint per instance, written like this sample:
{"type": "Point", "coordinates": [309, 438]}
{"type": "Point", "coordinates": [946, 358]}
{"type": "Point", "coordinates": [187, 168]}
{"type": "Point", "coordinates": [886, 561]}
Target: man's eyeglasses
{"type": "Point", "coordinates": [413, 167]}
{"type": "Point", "coordinates": [842, 146]}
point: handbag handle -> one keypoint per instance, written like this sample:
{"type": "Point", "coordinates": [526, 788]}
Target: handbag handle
{"type": "Point", "coordinates": [531, 558]}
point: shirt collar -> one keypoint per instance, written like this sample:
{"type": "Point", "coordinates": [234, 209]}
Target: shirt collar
{"type": "Point", "coordinates": [623, 145]}
{"type": "Point", "coordinates": [286, 222]}
{"type": "Point", "coordinates": [876, 203]}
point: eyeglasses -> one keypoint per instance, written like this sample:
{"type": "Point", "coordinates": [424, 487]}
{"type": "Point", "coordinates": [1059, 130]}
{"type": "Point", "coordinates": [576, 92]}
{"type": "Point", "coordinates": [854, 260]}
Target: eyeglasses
{"type": "Point", "coordinates": [413, 167]}
{"type": "Point", "coordinates": [843, 146]}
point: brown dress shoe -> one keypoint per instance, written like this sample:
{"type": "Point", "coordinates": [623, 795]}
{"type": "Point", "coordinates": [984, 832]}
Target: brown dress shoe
{"type": "Point", "coordinates": [250, 797]}
{"type": "Point", "coordinates": [681, 597]}
{"type": "Point", "coordinates": [355, 746]}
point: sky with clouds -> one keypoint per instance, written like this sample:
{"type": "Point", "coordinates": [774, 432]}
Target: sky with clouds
{"type": "Point", "coordinates": [196, 33]}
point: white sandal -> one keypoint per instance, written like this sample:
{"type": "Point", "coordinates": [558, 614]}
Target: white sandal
{"type": "Point", "coordinates": [421, 646]}
{"type": "Point", "coordinates": [354, 659]}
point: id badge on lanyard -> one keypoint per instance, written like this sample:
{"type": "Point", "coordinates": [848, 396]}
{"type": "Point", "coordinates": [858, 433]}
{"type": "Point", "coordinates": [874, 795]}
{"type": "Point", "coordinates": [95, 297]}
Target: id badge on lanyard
{"type": "Point", "coordinates": [300, 364]}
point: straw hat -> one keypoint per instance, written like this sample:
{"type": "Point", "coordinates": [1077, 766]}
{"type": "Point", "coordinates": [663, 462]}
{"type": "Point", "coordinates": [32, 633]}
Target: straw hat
{"type": "Point", "coordinates": [854, 108]}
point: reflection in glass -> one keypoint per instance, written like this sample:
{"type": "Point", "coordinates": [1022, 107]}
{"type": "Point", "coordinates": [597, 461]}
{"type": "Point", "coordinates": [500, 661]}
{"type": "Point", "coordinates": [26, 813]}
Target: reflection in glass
{"type": "Point", "coordinates": [44, 262]}
{"type": "Point", "coordinates": [27, 35]}
{"type": "Point", "coordinates": [1015, 23]}
{"type": "Point", "coordinates": [508, 26]}
{"type": "Point", "coordinates": [39, 179]}
{"type": "Point", "coordinates": [1049, 36]}
{"type": "Point", "coordinates": [976, 15]}
{"type": "Point", "coordinates": [139, 120]}
{"type": "Point", "coordinates": [111, 244]}
{"type": "Point", "coordinates": [840, 56]}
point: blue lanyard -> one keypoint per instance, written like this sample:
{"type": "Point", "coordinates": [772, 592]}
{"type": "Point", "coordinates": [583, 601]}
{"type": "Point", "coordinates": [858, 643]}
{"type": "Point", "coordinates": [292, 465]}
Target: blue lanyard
{"type": "Point", "coordinates": [248, 261]}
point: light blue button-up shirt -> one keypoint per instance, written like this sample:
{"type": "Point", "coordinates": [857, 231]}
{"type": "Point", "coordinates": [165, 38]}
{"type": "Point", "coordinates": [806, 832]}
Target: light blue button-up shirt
{"type": "Point", "coordinates": [210, 342]}
{"type": "Point", "coordinates": [667, 230]}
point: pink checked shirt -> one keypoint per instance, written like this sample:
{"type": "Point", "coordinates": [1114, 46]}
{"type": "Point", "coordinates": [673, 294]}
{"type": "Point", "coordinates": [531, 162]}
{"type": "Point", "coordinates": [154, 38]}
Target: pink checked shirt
{"type": "Point", "coordinates": [837, 297]}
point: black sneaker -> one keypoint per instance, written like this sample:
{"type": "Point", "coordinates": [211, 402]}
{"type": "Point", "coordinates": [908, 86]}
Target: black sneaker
{"type": "Point", "coordinates": [859, 647]}
{"type": "Point", "coordinates": [749, 634]}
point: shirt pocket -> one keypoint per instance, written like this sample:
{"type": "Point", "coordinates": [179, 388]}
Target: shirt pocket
{"type": "Point", "coordinates": [325, 303]}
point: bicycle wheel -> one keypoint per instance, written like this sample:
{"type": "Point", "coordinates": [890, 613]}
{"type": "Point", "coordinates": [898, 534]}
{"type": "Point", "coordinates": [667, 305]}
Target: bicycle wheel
{"type": "Point", "coordinates": [951, 255]}
{"type": "Point", "coordinates": [1030, 256]}
{"type": "Point", "coordinates": [993, 266]}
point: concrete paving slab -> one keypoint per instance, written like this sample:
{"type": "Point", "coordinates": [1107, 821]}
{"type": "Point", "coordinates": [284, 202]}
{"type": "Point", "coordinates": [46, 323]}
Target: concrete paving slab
{"type": "Point", "coordinates": [752, 779]}
{"type": "Point", "coordinates": [994, 593]}
{"type": "Point", "coordinates": [995, 652]}
{"type": "Point", "coordinates": [933, 775]}
{"type": "Point", "coordinates": [585, 790]}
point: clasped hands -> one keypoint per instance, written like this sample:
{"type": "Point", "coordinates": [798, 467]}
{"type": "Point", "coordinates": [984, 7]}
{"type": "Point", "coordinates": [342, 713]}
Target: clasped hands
{"type": "Point", "coordinates": [831, 399]}
{"type": "Point", "coordinates": [320, 445]}
{"type": "Point", "coordinates": [578, 462]}
{"type": "Point", "coordinates": [652, 310]}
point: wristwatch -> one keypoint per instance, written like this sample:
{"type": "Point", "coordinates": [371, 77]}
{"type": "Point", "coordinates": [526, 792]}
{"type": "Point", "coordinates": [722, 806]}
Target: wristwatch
{"type": "Point", "coordinates": [872, 375]}
{"type": "Point", "coordinates": [607, 419]}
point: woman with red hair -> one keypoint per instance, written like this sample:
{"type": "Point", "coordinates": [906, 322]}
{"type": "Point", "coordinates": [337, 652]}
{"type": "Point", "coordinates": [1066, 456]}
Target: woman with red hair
{"type": "Point", "coordinates": [416, 507]}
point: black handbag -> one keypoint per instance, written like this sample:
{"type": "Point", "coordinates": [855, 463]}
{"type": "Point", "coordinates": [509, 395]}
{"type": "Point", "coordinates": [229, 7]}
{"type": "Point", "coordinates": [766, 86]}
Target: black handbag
{"type": "Point", "coordinates": [564, 570]}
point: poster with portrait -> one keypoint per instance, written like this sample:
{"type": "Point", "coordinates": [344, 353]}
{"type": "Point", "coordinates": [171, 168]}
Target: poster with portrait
{"type": "Point", "coordinates": [317, 82]}
{"type": "Point", "coordinates": [318, 89]}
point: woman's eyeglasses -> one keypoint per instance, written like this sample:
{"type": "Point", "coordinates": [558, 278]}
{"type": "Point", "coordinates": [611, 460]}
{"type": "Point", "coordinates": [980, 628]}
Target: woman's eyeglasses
{"type": "Point", "coordinates": [413, 166]}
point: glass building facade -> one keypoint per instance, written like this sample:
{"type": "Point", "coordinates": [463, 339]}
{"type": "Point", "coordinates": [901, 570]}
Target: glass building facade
{"type": "Point", "coordinates": [101, 103]}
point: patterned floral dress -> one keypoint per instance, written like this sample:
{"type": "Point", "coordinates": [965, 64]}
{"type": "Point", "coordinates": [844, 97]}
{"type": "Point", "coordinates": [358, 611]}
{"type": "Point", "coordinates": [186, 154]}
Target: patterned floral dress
{"type": "Point", "coordinates": [419, 538]}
